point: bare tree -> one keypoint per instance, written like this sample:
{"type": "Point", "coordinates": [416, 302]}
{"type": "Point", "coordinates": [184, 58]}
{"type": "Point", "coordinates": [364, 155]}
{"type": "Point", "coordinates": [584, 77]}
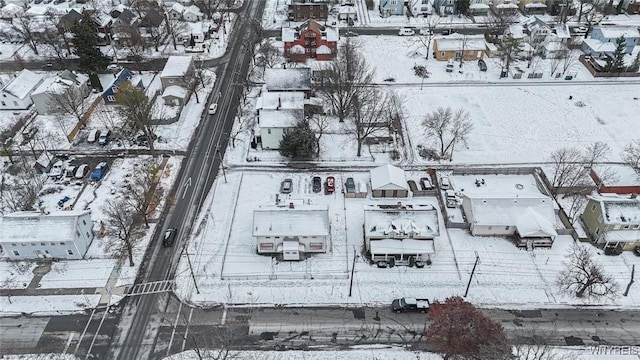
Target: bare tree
{"type": "Point", "coordinates": [70, 101]}
{"type": "Point", "coordinates": [568, 60]}
{"type": "Point", "coordinates": [320, 124]}
{"type": "Point", "coordinates": [448, 128]}
{"type": "Point", "coordinates": [631, 154]}
{"type": "Point", "coordinates": [138, 111]}
{"type": "Point", "coordinates": [583, 277]}
{"type": "Point", "coordinates": [463, 46]}
{"type": "Point", "coordinates": [554, 63]}
{"type": "Point", "coordinates": [497, 22]}
{"type": "Point", "coordinates": [142, 190]}
{"type": "Point", "coordinates": [25, 29]}
{"type": "Point", "coordinates": [176, 27]}
{"type": "Point", "coordinates": [123, 222]}
{"type": "Point", "coordinates": [20, 192]}
{"type": "Point", "coordinates": [425, 37]}
{"type": "Point", "coordinates": [268, 55]}
{"type": "Point", "coordinates": [242, 125]}
{"type": "Point", "coordinates": [343, 77]}
{"type": "Point", "coordinates": [371, 113]}
{"type": "Point", "coordinates": [593, 15]}
{"type": "Point", "coordinates": [196, 80]}
{"type": "Point", "coordinates": [510, 48]}
{"type": "Point", "coordinates": [532, 343]}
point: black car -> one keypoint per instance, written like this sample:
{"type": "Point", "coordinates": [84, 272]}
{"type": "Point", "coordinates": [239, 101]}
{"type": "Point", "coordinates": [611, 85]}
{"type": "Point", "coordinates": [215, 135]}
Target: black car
{"type": "Point", "coordinates": [169, 237]}
{"type": "Point", "coordinates": [350, 185]}
{"type": "Point", "coordinates": [316, 183]}
{"type": "Point", "coordinates": [482, 65]}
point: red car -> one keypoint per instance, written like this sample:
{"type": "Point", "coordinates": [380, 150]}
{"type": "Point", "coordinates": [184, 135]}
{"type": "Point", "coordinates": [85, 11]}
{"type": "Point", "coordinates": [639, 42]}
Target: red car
{"type": "Point", "coordinates": [330, 185]}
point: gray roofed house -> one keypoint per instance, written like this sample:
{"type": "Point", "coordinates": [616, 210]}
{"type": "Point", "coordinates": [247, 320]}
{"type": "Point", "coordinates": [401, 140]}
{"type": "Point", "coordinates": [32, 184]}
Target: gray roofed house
{"type": "Point", "coordinates": [298, 79]}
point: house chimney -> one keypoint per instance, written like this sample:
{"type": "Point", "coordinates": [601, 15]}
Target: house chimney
{"type": "Point", "coordinates": [291, 205]}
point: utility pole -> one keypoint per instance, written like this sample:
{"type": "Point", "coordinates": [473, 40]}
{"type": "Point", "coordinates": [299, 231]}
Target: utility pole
{"type": "Point", "coordinates": [472, 272]}
{"type": "Point", "coordinates": [633, 271]}
{"type": "Point", "coordinates": [224, 174]}
{"type": "Point", "coordinates": [193, 276]}
{"type": "Point", "coordinates": [353, 267]}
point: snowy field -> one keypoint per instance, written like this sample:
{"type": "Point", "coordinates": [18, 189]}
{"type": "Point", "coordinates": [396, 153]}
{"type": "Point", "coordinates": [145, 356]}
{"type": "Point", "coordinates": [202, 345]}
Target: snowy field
{"type": "Point", "coordinates": [231, 272]}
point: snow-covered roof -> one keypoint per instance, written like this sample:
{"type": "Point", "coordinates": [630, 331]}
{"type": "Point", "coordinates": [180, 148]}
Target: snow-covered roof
{"type": "Point", "coordinates": [347, 9]}
{"type": "Point", "coordinates": [23, 84]}
{"type": "Point", "coordinates": [194, 10]}
{"type": "Point", "coordinates": [388, 177]}
{"type": "Point", "coordinates": [455, 42]}
{"type": "Point", "coordinates": [35, 226]}
{"type": "Point", "coordinates": [532, 224]}
{"type": "Point", "coordinates": [284, 118]}
{"type": "Point", "coordinates": [196, 28]}
{"type": "Point", "coordinates": [614, 32]}
{"type": "Point", "coordinates": [507, 6]}
{"type": "Point", "coordinates": [39, 10]}
{"type": "Point", "coordinates": [309, 220]}
{"type": "Point", "coordinates": [619, 210]}
{"type": "Point", "coordinates": [562, 31]}
{"type": "Point", "coordinates": [288, 34]}
{"type": "Point", "coordinates": [506, 209]}
{"type": "Point", "coordinates": [478, 6]}
{"type": "Point", "coordinates": [622, 235]}
{"type": "Point", "coordinates": [599, 46]}
{"type": "Point", "coordinates": [177, 7]}
{"type": "Point", "coordinates": [402, 246]}
{"type": "Point", "coordinates": [280, 99]}
{"type": "Point", "coordinates": [10, 10]}
{"type": "Point", "coordinates": [416, 221]}
{"type": "Point", "coordinates": [288, 79]}
{"type": "Point", "coordinates": [535, 5]}
{"type": "Point", "coordinates": [176, 91]}
{"type": "Point", "coordinates": [323, 49]}
{"type": "Point", "coordinates": [516, 31]}
{"type": "Point", "coordinates": [52, 85]}
{"type": "Point", "coordinates": [554, 46]}
{"type": "Point", "coordinates": [297, 49]}
{"type": "Point", "coordinates": [176, 66]}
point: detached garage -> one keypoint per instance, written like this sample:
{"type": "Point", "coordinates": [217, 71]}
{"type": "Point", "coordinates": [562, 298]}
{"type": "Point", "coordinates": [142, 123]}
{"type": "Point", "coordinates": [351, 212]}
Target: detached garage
{"type": "Point", "coordinates": [388, 181]}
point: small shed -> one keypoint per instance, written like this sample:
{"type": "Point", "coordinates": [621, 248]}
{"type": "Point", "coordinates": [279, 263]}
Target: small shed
{"type": "Point", "coordinates": [175, 95]}
{"type": "Point", "coordinates": [388, 181]}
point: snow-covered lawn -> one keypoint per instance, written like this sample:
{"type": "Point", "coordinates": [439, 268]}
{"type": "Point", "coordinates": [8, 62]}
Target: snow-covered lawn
{"type": "Point", "coordinates": [47, 305]}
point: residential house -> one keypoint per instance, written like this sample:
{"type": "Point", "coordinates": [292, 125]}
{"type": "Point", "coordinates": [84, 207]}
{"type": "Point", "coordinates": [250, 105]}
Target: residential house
{"type": "Point", "coordinates": [274, 124]}
{"type": "Point", "coordinates": [404, 233]}
{"type": "Point", "coordinates": [533, 7]}
{"type": "Point", "coordinates": [420, 7]}
{"type": "Point", "coordinates": [346, 12]}
{"type": "Point", "coordinates": [310, 40]}
{"type": "Point", "coordinates": [529, 217]}
{"type": "Point", "coordinates": [124, 26]}
{"type": "Point", "coordinates": [124, 76]}
{"type": "Point", "coordinates": [613, 221]}
{"type": "Point", "coordinates": [69, 20]}
{"type": "Point", "coordinates": [190, 13]}
{"type": "Point", "coordinates": [176, 10]}
{"type": "Point", "coordinates": [10, 11]}
{"type": "Point", "coordinates": [44, 96]}
{"type": "Point", "coordinates": [388, 181]}
{"type": "Point", "coordinates": [479, 7]}
{"type": "Point", "coordinates": [455, 46]}
{"type": "Point", "coordinates": [15, 94]}
{"type": "Point", "coordinates": [299, 10]}
{"type": "Point", "coordinates": [602, 40]}
{"type": "Point", "coordinates": [151, 23]}
{"type": "Point", "coordinates": [291, 232]}
{"type": "Point", "coordinates": [194, 32]}
{"type": "Point", "coordinates": [26, 235]}
{"type": "Point", "coordinates": [288, 80]}
{"type": "Point", "coordinates": [175, 95]}
{"type": "Point", "coordinates": [175, 71]}
{"type": "Point", "coordinates": [444, 7]}
{"type": "Point", "coordinates": [619, 179]}
{"type": "Point", "coordinates": [505, 7]}
{"type": "Point", "coordinates": [391, 7]}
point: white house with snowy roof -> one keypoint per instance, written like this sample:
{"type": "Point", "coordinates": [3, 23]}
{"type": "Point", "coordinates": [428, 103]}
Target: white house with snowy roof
{"type": "Point", "coordinates": [66, 81]}
{"type": "Point", "coordinates": [400, 231]}
{"type": "Point", "coordinates": [388, 181]}
{"type": "Point", "coordinates": [613, 221]}
{"type": "Point", "coordinates": [602, 40]}
{"type": "Point", "coordinates": [28, 235]}
{"type": "Point", "coordinates": [275, 123]}
{"type": "Point", "coordinates": [530, 217]}
{"type": "Point", "coordinates": [175, 70]}
{"type": "Point", "coordinates": [291, 231]}
{"type": "Point", "coordinates": [15, 95]}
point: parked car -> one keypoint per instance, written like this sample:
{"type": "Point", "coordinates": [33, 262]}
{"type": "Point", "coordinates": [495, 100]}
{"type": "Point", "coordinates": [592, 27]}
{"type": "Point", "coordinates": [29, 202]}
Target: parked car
{"type": "Point", "coordinates": [482, 65]}
{"type": "Point", "coordinates": [316, 184]}
{"type": "Point", "coordinates": [350, 185]}
{"type": "Point", "coordinates": [56, 170]}
{"type": "Point", "coordinates": [425, 31]}
{"type": "Point", "coordinates": [451, 199]}
{"type": "Point", "coordinates": [93, 135]}
{"type": "Point", "coordinates": [330, 185]}
{"type": "Point", "coordinates": [406, 32]}
{"type": "Point", "coordinates": [410, 305]}
{"type": "Point", "coordinates": [70, 171]}
{"type": "Point", "coordinates": [426, 184]}
{"type": "Point", "coordinates": [113, 67]}
{"type": "Point", "coordinates": [213, 108]}
{"type": "Point", "coordinates": [450, 65]}
{"type": "Point", "coordinates": [103, 139]}
{"type": "Point", "coordinates": [169, 237]}
{"type": "Point", "coordinates": [99, 171]}
{"type": "Point", "coordinates": [445, 183]}
{"type": "Point", "coordinates": [81, 171]}
{"type": "Point", "coordinates": [286, 186]}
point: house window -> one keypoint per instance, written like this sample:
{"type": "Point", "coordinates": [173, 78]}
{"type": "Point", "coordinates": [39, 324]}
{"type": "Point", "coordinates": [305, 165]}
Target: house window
{"type": "Point", "coordinates": [16, 253]}
{"type": "Point", "coordinates": [61, 243]}
{"type": "Point", "coordinates": [593, 208]}
{"type": "Point", "coordinates": [33, 244]}
{"type": "Point", "coordinates": [597, 232]}
{"type": "Point", "coordinates": [442, 53]}
{"type": "Point", "coordinates": [69, 252]}
{"type": "Point", "coordinates": [53, 244]}
{"type": "Point", "coordinates": [600, 218]}
{"type": "Point", "coordinates": [170, 81]}
{"type": "Point", "coordinates": [626, 226]}
{"type": "Point", "coordinates": [635, 226]}
{"type": "Point", "coordinates": [507, 228]}
{"type": "Point", "coordinates": [315, 246]}
{"type": "Point", "coordinates": [268, 131]}
{"type": "Point", "coordinates": [266, 246]}
{"type": "Point", "coordinates": [489, 227]}
{"type": "Point", "coordinates": [393, 2]}
{"type": "Point", "coordinates": [111, 98]}
{"type": "Point", "coordinates": [84, 222]}
{"type": "Point", "coordinates": [23, 244]}
{"type": "Point", "coordinates": [43, 244]}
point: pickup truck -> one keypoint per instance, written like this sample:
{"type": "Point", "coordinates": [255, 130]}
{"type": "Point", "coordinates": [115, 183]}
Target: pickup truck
{"type": "Point", "coordinates": [410, 305]}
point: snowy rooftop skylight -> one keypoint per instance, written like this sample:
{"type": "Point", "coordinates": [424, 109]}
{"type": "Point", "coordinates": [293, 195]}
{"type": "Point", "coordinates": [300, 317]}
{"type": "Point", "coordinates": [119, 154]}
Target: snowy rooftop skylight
{"type": "Point", "coordinates": [419, 221]}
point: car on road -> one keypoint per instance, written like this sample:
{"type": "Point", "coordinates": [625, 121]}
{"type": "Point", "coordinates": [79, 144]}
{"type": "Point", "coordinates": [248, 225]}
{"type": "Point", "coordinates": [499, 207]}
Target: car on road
{"type": "Point", "coordinates": [406, 32]}
{"type": "Point", "coordinates": [93, 135]}
{"type": "Point", "coordinates": [350, 185]}
{"type": "Point", "coordinates": [330, 185]}
{"type": "Point", "coordinates": [169, 237]}
{"type": "Point", "coordinates": [407, 304]}
{"type": "Point", "coordinates": [287, 186]}
{"type": "Point", "coordinates": [113, 67]}
{"type": "Point", "coordinates": [99, 171]}
{"type": "Point", "coordinates": [103, 139]}
{"type": "Point", "coordinates": [213, 108]}
{"type": "Point", "coordinates": [316, 184]}
{"type": "Point", "coordinates": [482, 65]}
{"type": "Point", "coordinates": [425, 31]}
{"type": "Point", "coordinates": [81, 171]}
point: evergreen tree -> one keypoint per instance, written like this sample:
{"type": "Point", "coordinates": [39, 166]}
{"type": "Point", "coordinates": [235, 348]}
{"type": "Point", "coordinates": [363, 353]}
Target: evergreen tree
{"type": "Point", "coordinates": [510, 47]}
{"type": "Point", "coordinates": [299, 143]}
{"type": "Point", "coordinates": [462, 6]}
{"type": "Point", "coordinates": [615, 63]}
{"type": "Point", "coordinates": [635, 66]}
{"type": "Point", "coordinates": [85, 39]}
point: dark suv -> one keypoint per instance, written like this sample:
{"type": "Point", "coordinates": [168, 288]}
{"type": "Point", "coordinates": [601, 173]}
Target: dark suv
{"type": "Point", "coordinates": [350, 185]}
{"type": "Point", "coordinates": [169, 237]}
{"type": "Point", "coordinates": [316, 184]}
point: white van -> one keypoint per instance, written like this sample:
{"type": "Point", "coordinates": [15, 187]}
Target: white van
{"type": "Point", "coordinates": [451, 199]}
{"type": "Point", "coordinates": [406, 32]}
{"type": "Point", "coordinates": [93, 136]}
{"type": "Point", "coordinates": [445, 184]}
